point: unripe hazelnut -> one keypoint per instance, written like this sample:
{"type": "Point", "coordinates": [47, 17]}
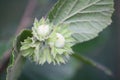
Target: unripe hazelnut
{"type": "Point", "coordinates": [60, 42]}
{"type": "Point", "coordinates": [43, 30]}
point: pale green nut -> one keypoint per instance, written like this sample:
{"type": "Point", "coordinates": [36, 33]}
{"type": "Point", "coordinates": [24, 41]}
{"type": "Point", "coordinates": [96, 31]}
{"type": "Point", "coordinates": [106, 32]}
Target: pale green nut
{"type": "Point", "coordinates": [49, 43]}
{"type": "Point", "coordinates": [60, 42]}
{"type": "Point", "coordinates": [41, 29]}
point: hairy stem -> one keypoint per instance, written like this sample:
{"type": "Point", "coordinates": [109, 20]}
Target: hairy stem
{"type": "Point", "coordinates": [92, 63]}
{"type": "Point", "coordinates": [25, 22]}
{"type": "Point", "coordinates": [14, 70]}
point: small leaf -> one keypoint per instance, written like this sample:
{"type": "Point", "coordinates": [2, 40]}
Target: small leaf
{"type": "Point", "coordinates": [21, 37]}
{"type": "Point", "coordinates": [92, 63]}
{"type": "Point", "coordinates": [86, 17]}
{"type": "Point", "coordinates": [12, 58]}
{"type": "Point", "coordinates": [16, 60]}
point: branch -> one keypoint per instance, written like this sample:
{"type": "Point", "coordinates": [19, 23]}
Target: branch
{"type": "Point", "coordinates": [14, 71]}
{"type": "Point", "coordinates": [25, 22]}
{"type": "Point", "coordinates": [92, 63]}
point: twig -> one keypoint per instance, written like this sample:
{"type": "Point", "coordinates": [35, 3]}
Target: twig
{"type": "Point", "coordinates": [14, 71]}
{"type": "Point", "coordinates": [25, 22]}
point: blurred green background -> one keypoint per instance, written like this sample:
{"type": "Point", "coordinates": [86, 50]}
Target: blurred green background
{"type": "Point", "coordinates": [103, 49]}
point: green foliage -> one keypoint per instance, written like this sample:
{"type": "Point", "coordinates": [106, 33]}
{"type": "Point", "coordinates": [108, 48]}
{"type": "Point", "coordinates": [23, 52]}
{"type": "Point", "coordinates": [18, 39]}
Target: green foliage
{"type": "Point", "coordinates": [21, 37]}
{"type": "Point", "coordinates": [14, 70]}
{"type": "Point", "coordinates": [17, 61]}
{"type": "Point", "coordinates": [91, 45]}
{"type": "Point", "coordinates": [86, 17]}
{"type": "Point", "coordinates": [49, 43]}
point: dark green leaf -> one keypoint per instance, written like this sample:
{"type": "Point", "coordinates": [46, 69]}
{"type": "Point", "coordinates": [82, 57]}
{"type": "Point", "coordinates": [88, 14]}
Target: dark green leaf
{"type": "Point", "coordinates": [21, 37]}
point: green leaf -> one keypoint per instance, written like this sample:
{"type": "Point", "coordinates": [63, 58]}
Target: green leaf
{"type": "Point", "coordinates": [93, 44]}
{"type": "Point", "coordinates": [86, 17]}
{"type": "Point", "coordinates": [17, 60]}
{"type": "Point", "coordinates": [21, 37]}
{"type": "Point", "coordinates": [92, 63]}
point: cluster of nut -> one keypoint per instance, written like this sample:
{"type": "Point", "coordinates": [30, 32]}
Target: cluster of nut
{"type": "Point", "coordinates": [49, 43]}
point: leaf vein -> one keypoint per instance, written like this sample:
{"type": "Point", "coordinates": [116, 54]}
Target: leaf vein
{"type": "Point", "coordinates": [79, 11]}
